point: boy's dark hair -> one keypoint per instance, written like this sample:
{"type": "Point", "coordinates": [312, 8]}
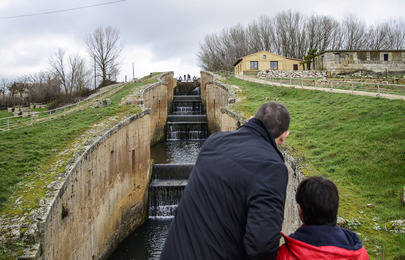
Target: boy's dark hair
{"type": "Point", "coordinates": [275, 117]}
{"type": "Point", "coordinates": [318, 198]}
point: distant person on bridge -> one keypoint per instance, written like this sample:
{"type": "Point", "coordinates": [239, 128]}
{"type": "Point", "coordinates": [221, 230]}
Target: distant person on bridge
{"type": "Point", "coordinates": [188, 77]}
{"type": "Point", "coordinates": [233, 204]}
{"type": "Point", "coordinates": [180, 79]}
{"type": "Point", "coordinates": [319, 237]}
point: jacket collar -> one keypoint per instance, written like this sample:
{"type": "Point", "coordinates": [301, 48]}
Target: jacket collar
{"type": "Point", "coordinates": [324, 235]}
{"type": "Point", "coordinates": [260, 129]}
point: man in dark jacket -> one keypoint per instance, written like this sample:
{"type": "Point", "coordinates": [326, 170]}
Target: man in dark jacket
{"type": "Point", "coordinates": [233, 204]}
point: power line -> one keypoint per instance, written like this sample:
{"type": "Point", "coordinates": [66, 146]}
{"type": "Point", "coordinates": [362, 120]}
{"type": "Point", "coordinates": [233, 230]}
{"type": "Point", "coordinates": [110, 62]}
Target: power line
{"type": "Point", "coordinates": [61, 10]}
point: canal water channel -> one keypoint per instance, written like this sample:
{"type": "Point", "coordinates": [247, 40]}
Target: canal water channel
{"type": "Point", "coordinates": [186, 130]}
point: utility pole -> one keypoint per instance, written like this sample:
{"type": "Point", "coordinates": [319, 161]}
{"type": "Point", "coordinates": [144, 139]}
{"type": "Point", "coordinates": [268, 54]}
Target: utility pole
{"type": "Point", "coordinates": [133, 72]}
{"type": "Point", "coordinates": [95, 75]}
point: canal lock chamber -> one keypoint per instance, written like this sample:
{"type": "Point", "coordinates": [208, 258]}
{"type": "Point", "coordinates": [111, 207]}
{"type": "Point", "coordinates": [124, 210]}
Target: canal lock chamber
{"type": "Point", "coordinates": [173, 160]}
{"type": "Point", "coordinates": [185, 132]}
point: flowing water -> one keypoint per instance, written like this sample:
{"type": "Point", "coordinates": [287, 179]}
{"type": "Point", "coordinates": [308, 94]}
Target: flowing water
{"type": "Point", "coordinates": [186, 130]}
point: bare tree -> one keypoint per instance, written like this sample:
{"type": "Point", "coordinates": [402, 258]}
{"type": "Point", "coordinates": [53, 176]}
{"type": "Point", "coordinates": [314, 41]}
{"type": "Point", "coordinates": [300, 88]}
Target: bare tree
{"type": "Point", "coordinates": [267, 33]}
{"type": "Point", "coordinates": [377, 37]}
{"type": "Point", "coordinates": [354, 31]}
{"type": "Point", "coordinates": [103, 46]}
{"type": "Point", "coordinates": [43, 87]}
{"type": "Point", "coordinates": [70, 71]}
{"type": "Point", "coordinates": [396, 34]}
{"type": "Point", "coordinates": [4, 86]}
{"type": "Point", "coordinates": [58, 68]}
{"type": "Point", "coordinates": [79, 75]}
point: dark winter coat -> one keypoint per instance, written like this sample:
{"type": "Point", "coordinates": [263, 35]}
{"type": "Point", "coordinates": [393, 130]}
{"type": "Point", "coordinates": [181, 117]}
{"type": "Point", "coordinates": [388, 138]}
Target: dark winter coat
{"type": "Point", "coordinates": [233, 204]}
{"type": "Point", "coordinates": [322, 242]}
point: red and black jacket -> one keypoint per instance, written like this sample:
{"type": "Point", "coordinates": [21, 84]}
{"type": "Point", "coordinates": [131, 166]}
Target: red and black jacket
{"type": "Point", "coordinates": [322, 242]}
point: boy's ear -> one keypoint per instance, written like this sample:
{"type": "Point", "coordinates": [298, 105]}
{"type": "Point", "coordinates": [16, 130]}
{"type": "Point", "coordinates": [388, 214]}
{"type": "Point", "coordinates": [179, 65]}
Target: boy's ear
{"type": "Point", "coordinates": [300, 213]}
{"type": "Point", "coordinates": [280, 140]}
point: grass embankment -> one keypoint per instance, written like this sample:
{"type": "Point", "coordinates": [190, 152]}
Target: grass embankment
{"type": "Point", "coordinates": [5, 113]}
{"type": "Point", "coordinates": [26, 154]}
{"type": "Point", "coordinates": [358, 142]}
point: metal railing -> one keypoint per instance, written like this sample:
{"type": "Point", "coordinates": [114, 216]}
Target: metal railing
{"type": "Point", "coordinates": [378, 88]}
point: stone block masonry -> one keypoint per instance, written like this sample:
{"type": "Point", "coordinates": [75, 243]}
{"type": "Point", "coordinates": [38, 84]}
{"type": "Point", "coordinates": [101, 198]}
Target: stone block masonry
{"type": "Point", "coordinates": [276, 74]}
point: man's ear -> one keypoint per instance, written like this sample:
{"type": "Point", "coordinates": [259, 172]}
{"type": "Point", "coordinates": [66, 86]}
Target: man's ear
{"type": "Point", "coordinates": [280, 140]}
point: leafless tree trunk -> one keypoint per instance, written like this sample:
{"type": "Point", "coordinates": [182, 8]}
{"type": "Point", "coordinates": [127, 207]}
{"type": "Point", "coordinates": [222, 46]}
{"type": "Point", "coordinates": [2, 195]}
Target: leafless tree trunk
{"type": "Point", "coordinates": [103, 46]}
{"type": "Point", "coordinates": [354, 31]}
{"type": "Point", "coordinates": [4, 86]}
{"type": "Point", "coordinates": [396, 34]}
{"type": "Point", "coordinates": [267, 33]}
{"type": "Point", "coordinates": [70, 71]}
{"type": "Point", "coordinates": [57, 64]}
{"type": "Point", "coordinates": [79, 75]}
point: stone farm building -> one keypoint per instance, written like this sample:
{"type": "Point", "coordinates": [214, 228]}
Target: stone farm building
{"type": "Point", "coordinates": [346, 61]}
{"type": "Point", "coordinates": [264, 60]}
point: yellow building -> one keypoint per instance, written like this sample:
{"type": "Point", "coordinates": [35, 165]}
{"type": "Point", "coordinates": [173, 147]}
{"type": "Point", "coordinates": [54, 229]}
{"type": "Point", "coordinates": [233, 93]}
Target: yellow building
{"type": "Point", "coordinates": [264, 60]}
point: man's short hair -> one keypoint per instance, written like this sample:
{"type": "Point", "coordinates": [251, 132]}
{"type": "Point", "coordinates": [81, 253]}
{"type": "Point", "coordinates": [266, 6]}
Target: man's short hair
{"type": "Point", "coordinates": [318, 198]}
{"type": "Point", "coordinates": [275, 117]}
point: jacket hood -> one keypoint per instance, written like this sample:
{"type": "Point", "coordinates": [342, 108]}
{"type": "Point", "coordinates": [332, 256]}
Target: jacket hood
{"type": "Point", "coordinates": [324, 242]}
{"type": "Point", "coordinates": [328, 236]}
{"type": "Point", "coordinates": [260, 129]}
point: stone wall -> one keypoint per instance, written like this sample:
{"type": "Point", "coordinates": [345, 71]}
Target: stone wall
{"type": "Point", "coordinates": [171, 84]}
{"type": "Point", "coordinates": [220, 118]}
{"type": "Point", "coordinates": [205, 78]}
{"type": "Point", "coordinates": [102, 198]}
{"type": "Point", "coordinates": [291, 74]}
{"type": "Point", "coordinates": [336, 62]}
{"type": "Point", "coordinates": [158, 98]}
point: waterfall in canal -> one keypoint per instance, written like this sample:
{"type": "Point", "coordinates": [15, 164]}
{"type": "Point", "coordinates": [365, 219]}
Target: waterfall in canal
{"type": "Point", "coordinates": [186, 130]}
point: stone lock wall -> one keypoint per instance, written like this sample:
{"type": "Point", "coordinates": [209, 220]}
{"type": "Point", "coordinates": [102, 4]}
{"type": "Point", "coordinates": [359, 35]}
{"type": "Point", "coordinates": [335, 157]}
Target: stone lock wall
{"type": "Point", "coordinates": [221, 118]}
{"type": "Point", "coordinates": [103, 196]}
{"type": "Point", "coordinates": [217, 96]}
{"type": "Point", "coordinates": [171, 84]}
{"type": "Point", "coordinates": [158, 97]}
{"type": "Point", "coordinates": [204, 79]}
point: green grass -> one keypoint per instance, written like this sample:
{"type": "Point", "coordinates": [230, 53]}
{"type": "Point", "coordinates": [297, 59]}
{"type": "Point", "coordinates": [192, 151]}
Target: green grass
{"type": "Point", "coordinates": [5, 113]}
{"type": "Point", "coordinates": [358, 142]}
{"type": "Point", "coordinates": [38, 109]}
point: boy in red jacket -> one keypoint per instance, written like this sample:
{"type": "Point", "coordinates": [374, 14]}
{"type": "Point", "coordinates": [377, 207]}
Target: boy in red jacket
{"type": "Point", "coordinates": [319, 237]}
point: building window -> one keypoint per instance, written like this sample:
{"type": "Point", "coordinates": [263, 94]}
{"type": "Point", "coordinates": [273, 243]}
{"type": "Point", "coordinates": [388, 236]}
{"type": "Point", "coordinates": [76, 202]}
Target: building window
{"type": "Point", "coordinates": [274, 65]}
{"type": "Point", "coordinates": [254, 65]}
{"type": "Point", "coordinates": [385, 57]}
{"type": "Point", "coordinates": [264, 56]}
{"type": "Point", "coordinates": [337, 58]}
{"type": "Point", "coordinates": [295, 66]}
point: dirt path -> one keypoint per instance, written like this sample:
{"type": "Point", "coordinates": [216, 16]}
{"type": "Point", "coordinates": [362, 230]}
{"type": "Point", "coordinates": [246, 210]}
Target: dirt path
{"type": "Point", "coordinates": [332, 90]}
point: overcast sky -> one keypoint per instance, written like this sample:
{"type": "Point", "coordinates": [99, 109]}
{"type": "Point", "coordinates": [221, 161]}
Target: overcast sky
{"type": "Point", "coordinates": [157, 35]}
